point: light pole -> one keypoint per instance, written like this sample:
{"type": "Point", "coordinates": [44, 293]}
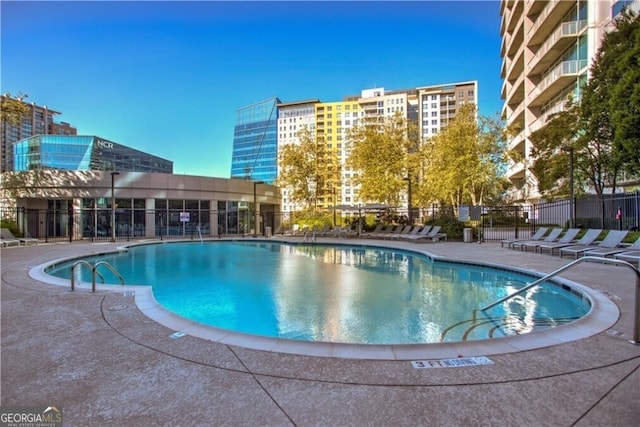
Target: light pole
{"type": "Point", "coordinates": [410, 214]}
{"type": "Point", "coordinates": [255, 208]}
{"type": "Point", "coordinates": [572, 204]}
{"type": "Point", "coordinates": [572, 207]}
{"type": "Point", "coordinates": [334, 207]}
{"type": "Point", "coordinates": [113, 206]}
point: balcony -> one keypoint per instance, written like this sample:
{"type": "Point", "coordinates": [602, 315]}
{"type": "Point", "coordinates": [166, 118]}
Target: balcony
{"type": "Point", "coordinates": [548, 19]}
{"type": "Point", "coordinates": [511, 18]}
{"type": "Point", "coordinates": [516, 68]}
{"type": "Point", "coordinates": [517, 41]}
{"type": "Point", "coordinates": [563, 37]}
{"type": "Point", "coordinates": [534, 7]}
{"type": "Point", "coordinates": [515, 114]}
{"type": "Point", "coordinates": [515, 95]}
{"type": "Point", "coordinates": [542, 119]}
{"type": "Point", "coordinates": [554, 81]}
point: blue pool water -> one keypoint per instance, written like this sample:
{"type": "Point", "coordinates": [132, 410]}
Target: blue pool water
{"type": "Point", "coordinates": [347, 294]}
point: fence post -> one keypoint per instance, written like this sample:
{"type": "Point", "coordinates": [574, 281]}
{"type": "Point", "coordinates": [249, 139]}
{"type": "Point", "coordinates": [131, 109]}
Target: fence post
{"type": "Point", "coordinates": [516, 219]}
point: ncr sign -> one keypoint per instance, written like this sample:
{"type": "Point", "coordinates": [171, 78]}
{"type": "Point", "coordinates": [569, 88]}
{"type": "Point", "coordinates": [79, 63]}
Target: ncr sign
{"type": "Point", "coordinates": [105, 144]}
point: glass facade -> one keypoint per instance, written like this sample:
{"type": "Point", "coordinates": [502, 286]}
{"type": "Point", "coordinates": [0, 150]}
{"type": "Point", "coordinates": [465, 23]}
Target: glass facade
{"type": "Point", "coordinates": [68, 152]}
{"type": "Point", "coordinates": [255, 144]}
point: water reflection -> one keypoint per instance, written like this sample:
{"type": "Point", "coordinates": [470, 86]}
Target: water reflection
{"type": "Point", "coordinates": [338, 294]}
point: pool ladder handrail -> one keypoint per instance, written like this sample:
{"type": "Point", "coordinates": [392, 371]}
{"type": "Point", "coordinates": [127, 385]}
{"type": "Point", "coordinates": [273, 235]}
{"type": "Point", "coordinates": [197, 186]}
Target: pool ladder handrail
{"type": "Point", "coordinates": [94, 272]}
{"type": "Point", "coordinates": [306, 236]}
{"type": "Point", "coordinates": [636, 327]}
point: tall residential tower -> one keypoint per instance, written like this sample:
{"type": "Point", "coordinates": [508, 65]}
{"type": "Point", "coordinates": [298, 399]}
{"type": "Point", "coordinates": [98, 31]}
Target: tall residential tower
{"type": "Point", "coordinates": [37, 121]}
{"type": "Point", "coordinates": [547, 50]}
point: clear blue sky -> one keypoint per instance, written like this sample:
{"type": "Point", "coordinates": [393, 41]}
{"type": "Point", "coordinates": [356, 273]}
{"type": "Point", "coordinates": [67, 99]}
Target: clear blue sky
{"type": "Point", "coordinates": [168, 77]}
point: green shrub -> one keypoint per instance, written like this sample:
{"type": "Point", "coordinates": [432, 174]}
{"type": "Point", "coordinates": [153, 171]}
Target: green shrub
{"type": "Point", "coordinates": [12, 226]}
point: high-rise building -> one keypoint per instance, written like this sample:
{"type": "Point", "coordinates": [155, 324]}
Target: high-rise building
{"type": "Point", "coordinates": [334, 120]}
{"type": "Point", "coordinates": [547, 50]}
{"type": "Point", "coordinates": [37, 121]}
{"type": "Point", "coordinates": [263, 127]}
{"type": "Point", "coordinates": [294, 117]}
{"type": "Point", "coordinates": [83, 153]}
{"type": "Point", "coordinates": [255, 142]}
{"type": "Point", "coordinates": [439, 104]}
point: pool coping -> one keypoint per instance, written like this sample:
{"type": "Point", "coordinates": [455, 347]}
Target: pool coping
{"type": "Point", "coordinates": [603, 314]}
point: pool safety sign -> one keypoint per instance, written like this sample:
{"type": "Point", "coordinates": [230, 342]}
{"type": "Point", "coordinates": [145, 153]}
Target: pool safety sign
{"type": "Point", "coordinates": [184, 216]}
{"type": "Point", "coordinates": [452, 363]}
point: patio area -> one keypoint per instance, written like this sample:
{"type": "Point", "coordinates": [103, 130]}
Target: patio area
{"type": "Point", "coordinates": [100, 360]}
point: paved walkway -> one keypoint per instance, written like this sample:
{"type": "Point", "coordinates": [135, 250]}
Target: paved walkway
{"type": "Point", "coordinates": [100, 359]}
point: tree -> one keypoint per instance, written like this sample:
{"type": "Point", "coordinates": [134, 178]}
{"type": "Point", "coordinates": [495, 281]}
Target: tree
{"type": "Point", "coordinates": [610, 113]}
{"type": "Point", "coordinates": [603, 130]}
{"type": "Point", "coordinates": [464, 163]}
{"type": "Point", "coordinates": [309, 169]}
{"type": "Point", "coordinates": [383, 154]}
{"type": "Point", "coordinates": [13, 108]}
{"type": "Point", "coordinates": [562, 137]}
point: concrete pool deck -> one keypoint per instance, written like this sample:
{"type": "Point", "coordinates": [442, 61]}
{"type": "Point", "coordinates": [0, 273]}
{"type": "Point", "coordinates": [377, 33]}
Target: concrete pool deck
{"type": "Point", "coordinates": [101, 360]}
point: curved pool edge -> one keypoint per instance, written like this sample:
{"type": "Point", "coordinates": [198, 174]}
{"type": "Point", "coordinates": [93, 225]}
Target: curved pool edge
{"type": "Point", "coordinates": [603, 314]}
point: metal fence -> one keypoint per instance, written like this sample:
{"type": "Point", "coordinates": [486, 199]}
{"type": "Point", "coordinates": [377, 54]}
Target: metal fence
{"type": "Point", "coordinates": [489, 223]}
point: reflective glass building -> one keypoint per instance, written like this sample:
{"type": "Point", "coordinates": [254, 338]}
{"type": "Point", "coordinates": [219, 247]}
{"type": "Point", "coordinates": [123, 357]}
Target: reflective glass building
{"type": "Point", "coordinates": [255, 143]}
{"type": "Point", "coordinates": [83, 153]}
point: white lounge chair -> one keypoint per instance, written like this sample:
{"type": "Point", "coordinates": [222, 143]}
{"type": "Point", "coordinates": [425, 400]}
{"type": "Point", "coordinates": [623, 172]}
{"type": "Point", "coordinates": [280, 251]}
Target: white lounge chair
{"type": "Point", "coordinates": [611, 240]}
{"type": "Point", "coordinates": [8, 237]}
{"type": "Point", "coordinates": [411, 236]}
{"type": "Point", "coordinates": [616, 250]}
{"type": "Point", "coordinates": [538, 235]}
{"type": "Point", "coordinates": [9, 242]}
{"type": "Point", "coordinates": [412, 232]}
{"type": "Point", "coordinates": [434, 235]}
{"type": "Point", "coordinates": [380, 228]}
{"type": "Point", "coordinates": [630, 256]}
{"type": "Point", "coordinates": [589, 237]}
{"type": "Point", "coordinates": [551, 237]}
{"type": "Point", "coordinates": [404, 231]}
{"type": "Point", "coordinates": [568, 237]}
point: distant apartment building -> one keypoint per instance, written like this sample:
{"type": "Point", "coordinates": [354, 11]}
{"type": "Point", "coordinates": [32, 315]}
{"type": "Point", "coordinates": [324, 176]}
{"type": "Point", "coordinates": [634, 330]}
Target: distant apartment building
{"type": "Point", "coordinates": [83, 153]}
{"type": "Point", "coordinates": [39, 120]}
{"type": "Point", "coordinates": [438, 105]}
{"type": "Point", "coordinates": [334, 121]}
{"type": "Point", "coordinates": [255, 142]}
{"type": "Point", "coordinates": [547, 50]}
{"type": "Point", "coordinates": [431, 107]}
{"type": "Point", "coordinates": [294, 117]}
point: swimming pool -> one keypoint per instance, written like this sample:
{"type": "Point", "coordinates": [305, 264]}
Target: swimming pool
{"type": "Point", "coordinates": [339, 294]}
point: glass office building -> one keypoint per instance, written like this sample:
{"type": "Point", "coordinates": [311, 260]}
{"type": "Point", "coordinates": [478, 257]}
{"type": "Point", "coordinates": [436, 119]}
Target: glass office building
{"type": "Point", "coordinates": [83, 153]}
{"type": "Point", "coordinates": [255, 143]}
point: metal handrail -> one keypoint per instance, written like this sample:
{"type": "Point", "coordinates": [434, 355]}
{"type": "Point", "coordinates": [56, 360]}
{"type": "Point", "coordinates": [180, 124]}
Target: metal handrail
{"type": "Point", "coordinates": [636, 327]}
{"type": "Point", "coordinates": [94, 272]}
{"type": "Point", "coordinates": [82, 262]}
